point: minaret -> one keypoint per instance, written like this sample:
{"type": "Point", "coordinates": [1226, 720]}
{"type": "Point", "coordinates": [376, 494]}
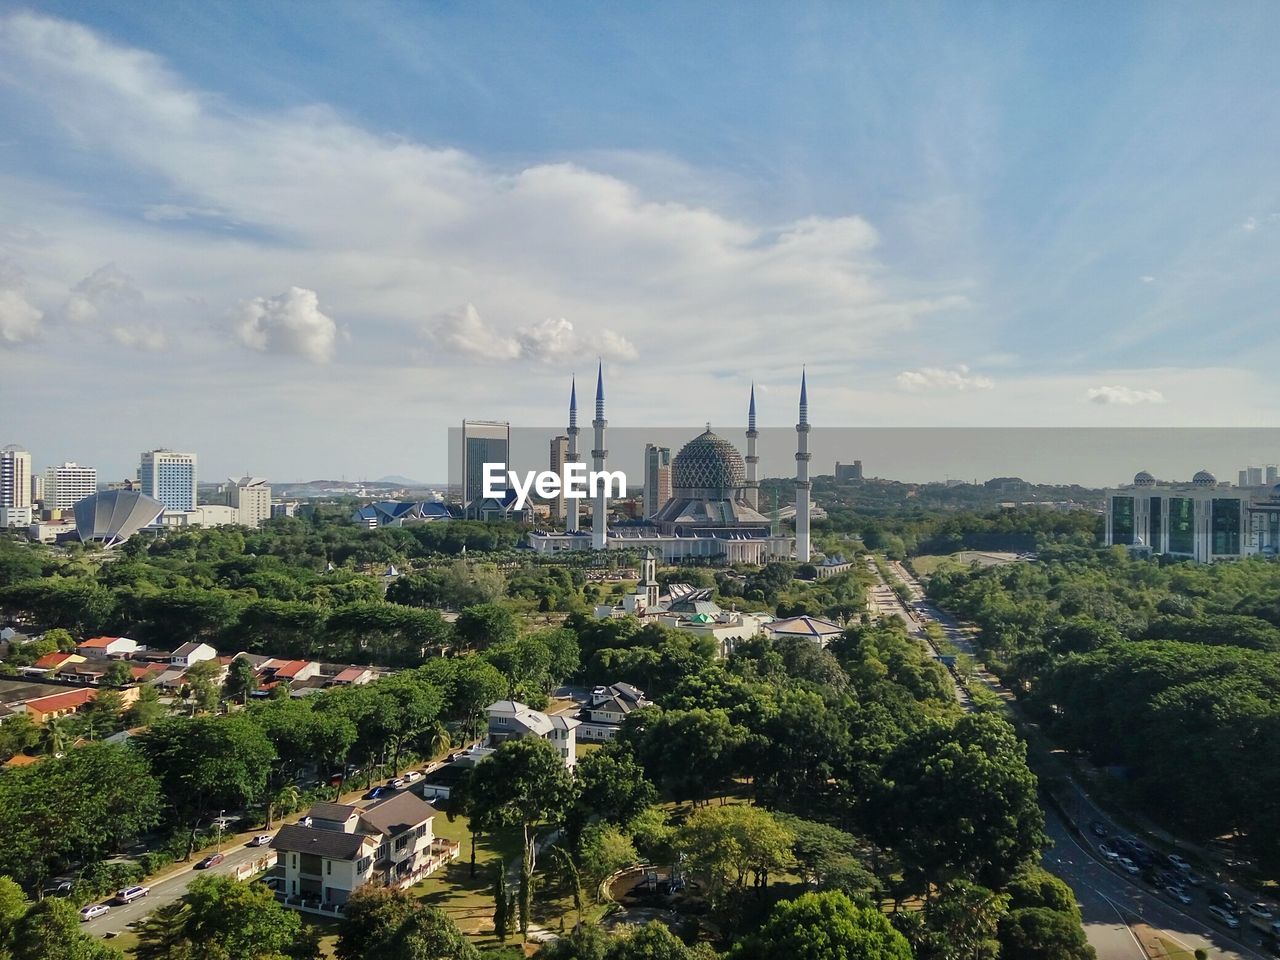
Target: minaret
{"type": "Point", "coordinates": [571, 503]}
{"type": "Point", "coordinates": [802, 475]}
{"type": "Point", "coordinates": [753, 485]}
{"type": "Point", "coordinates": [599, 509]}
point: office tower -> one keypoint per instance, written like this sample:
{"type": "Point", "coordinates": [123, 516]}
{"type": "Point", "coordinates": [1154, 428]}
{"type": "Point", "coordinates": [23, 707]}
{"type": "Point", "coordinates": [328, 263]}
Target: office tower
{"type": "Point", "coordinates": [483, 441]}
{"type": "Point", "coordinates": [657, 478]}
{"type": "Point", "coordinates": [1273, 473]}
{"type": "Point", "coordinates": [37, 488]}
{"type": "Point", "coordinates": [847, 472]}
{"type": "Point", "coordinates": [251, 496]}
{"type": "Point", "coordinates": [170, 477]}
{"type": "Point", "coordinates": [559, 456]}
{"type": "Point", "coordinates": [15, 477]}
{"type": "Point", "coordinates": [1255, 476]}
{"type": "Point", "coordinates": [1242, 478]}
{"type": "Point", "coordinates": [66, 485]}
{"type": "Point", "coordinates": [802, 475]}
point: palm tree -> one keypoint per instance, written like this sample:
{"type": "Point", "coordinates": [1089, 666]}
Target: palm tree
{"type": "Point", "coordinates": [164, 934]}
{"type": "Point", "coordinates": [286, 797]}
{"type": "Point", "coordinates": [58, 735]}
{"type": "Point", "coordinates": [437, 739]}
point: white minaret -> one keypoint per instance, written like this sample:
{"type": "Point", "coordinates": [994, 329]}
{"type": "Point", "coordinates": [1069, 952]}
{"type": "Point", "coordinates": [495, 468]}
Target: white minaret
{"type": "Point", "coordinates": [599, 509]}
{"type": "Point", "coordinates": [571, 503]}
{"type": "Point", "coordinates": [753, 485]}
{"type": "Point", "coordinates": [802, 476]}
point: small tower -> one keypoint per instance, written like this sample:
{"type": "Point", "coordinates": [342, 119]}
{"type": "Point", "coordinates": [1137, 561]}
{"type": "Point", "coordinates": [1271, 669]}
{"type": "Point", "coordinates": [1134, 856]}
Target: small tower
{"type": "Point", "coordinates": [571, 503]}
{"type": "Point", "coordinates": [650, 580]}
{"type": "Point", "coordinates": [599, 457]}
{"type": "Point", "coordinates": [752, 461]}
{"type": "Point", "coordinates": [802, 475]}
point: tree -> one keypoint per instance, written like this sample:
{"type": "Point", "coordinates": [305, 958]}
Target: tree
{"type": "Point", "coordinates": [612, 786]}
{"type": "Point", "coordinates": [961, 802]}
{"type": "Point", "coordinates": [17, 734]}
{"type": "Point", "coordinates": [485, 625]}
{"type": "Point", "coordinates": [655, 941]}
{"type": "Point", "coordinates": [501, 902]}
{"type": "Point", "coordinates": [50, 930]}
{"type": "Point", "coordinates": [202, 684]}
{"type": "Point", "coordinates": [723, 845]}
{"type": "Point", "coordinates": [58, 735]}
{"type": "Point", "coordinates": [117, 675]}
{"type": "Point", "coordinates": [13, 907]}
{"type": "Point", "coordinates": [163, 935]}
{"type": "Point", "coordinates": [1038, 933]}
{"type": "Point", "coordinates": [604, 849]}
{"type": "Point", "coordinates": [220, 918]}
{"type": "Point", "coordinates": [824, 926]}
{"type": "Point", "coordinates": [242, 680]}
{"type": "Point", "coordinates": [146, 709]}
{"type": "Point", "coordinates": [382, 922]}
{"type": "Point", "coordinates": [524, 785]}
{"type": "Point", "coordinates": [102, 716]}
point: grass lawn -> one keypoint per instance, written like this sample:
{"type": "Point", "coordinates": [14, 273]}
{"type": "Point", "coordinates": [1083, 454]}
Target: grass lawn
{"type": "Point", "coordinates": [930, 564]}
{"type": "Point", "coordinates": [1172, 950]}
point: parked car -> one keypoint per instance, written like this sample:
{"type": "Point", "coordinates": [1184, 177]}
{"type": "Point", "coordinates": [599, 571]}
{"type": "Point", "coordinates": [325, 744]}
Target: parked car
{"type": "Point", "coordinates": [210, 861]}
{"type": "Point", "coordinates": [399, 783]}
{"type": "Point", "coordinates": [377, 793]}
{"type": "Point", "coordinates": [93, 911]}
{"type": "Point", "coordinates": [1224, 916]}
{"type": "Point", "coordinates": [1179, 862]}
{"type": "Point", "coordinates": [1192, 878]}
{"type": "Point", "coordinates": [1223, 896]}
{"type": "Point", "coordinates": [1128, 866]}
{"type": "Point", "coordinates": [261, 840]}
{"type": "Point", "coordinates": [413, 776]}
{"type": "Point", "coordinates": [1178, 893]}
{"type": "Point", "coordinates": [1261, 910]}
{"type": "Point", "coordinates": [130, 894]}
{"type": "Point", "coordinates": [1098, 828]}
{"type": "Point", "coordinates": [1108, 852]}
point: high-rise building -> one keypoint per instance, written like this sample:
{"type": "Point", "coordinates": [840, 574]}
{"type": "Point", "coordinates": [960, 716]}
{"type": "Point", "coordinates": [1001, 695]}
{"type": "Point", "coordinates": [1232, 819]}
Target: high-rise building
{"type": "Point", "coordinates": [483, 441]}
{"type": "Point", "coordinates": [170, 477]}
{"type": "Point", "coordinates": [15, 477]}
{"type": "Point", "coordinates": [251, 496]}
{"type": "Point", "coordinates": [1273, 473]}
{"type": "Point", "coordinates": [848, 472]}
{"type": "Point", "coordinates": [657, 478]}
{"type": "Point", "coordinates": [66, 485]}
{"type": "Point", "coordinates": [558, 457]}
{"type": "Point", "coordinates": [37, 488]}
{"type": "Point", "coordinates": [1255, 476]}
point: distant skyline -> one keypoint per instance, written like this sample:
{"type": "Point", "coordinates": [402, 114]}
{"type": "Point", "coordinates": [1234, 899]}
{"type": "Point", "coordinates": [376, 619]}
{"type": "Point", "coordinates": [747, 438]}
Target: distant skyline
{"type": "Point", "coordinates": [305, 240]}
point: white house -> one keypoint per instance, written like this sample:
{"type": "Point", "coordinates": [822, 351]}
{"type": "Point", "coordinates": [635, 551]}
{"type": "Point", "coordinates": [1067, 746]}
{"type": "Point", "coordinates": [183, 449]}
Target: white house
{"type": "Point", "coordinates": [511, 719]}
{"type": "Point", "coordinates": [607, 708]}
{"type": "Point", "coordinates": [107, 647]}
{"type": "Point", "coordinates": [190, 653]}
{"type": "Point", "coordinates": [340, 848]}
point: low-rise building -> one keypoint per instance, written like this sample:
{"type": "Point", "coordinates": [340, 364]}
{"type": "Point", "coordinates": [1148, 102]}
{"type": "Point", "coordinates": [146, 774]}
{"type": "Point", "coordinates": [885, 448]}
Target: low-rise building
{"type": "Point", "coordinates": [190, 653]}
{"type": "Point", "coordinates": [511, 719]}
{"type": "Point", "coordinates": [107, 647]}
{"type": "Point", "coordinates": [339, 848]}
{"type": "Point", "coordinates": [820, 631]}
{"type": "Point", "coordinates": [606, 709]}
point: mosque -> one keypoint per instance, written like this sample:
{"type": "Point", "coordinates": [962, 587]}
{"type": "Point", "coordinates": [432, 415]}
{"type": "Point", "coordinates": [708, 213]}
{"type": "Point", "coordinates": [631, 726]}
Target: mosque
{"type": "Point", "coordinates": [714, 506]}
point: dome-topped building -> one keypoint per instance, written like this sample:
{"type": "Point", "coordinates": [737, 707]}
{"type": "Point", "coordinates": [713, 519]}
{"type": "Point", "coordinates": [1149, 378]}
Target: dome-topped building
{"type": "Point", "coordinates": [708, 462]}
{"type": "Point", "coordinates": [1143, 479]}
{"type": "Point", "coordinates": [709, 492]}
{"type": "Point", "coordinates": [1204, 478]}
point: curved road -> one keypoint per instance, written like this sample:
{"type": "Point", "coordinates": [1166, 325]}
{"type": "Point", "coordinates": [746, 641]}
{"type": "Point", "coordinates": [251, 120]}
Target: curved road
{"type": "Point", "coordinates": [1111, 903]}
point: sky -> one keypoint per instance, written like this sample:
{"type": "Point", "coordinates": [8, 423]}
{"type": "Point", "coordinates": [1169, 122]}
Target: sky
{"type": "Point", "coordinates": [304, 239]}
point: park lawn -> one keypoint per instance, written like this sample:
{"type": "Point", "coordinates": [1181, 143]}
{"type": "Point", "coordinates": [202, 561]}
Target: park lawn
{"type": "Point", "coordinates": [928, 565]}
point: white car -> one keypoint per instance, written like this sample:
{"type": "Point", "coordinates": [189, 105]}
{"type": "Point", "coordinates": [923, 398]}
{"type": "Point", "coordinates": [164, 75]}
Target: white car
{"type": "Point", "coordinates": [1261, 910]}
{"type": "Point", "coordinates": [1128, 866]}
{"type": "Point", "coordinates": [130, 894]}
{"type": "Point", "coordinates": [1178, 893]}
{"type": "Point", "coordinates": [261, 840]}
{"type": "Point", "coordinates": [1179, 862]}
{"type": "Point", "coordinates": [93, 911]}
{"type": "Point", "coordinates": [1224, 917]}
{"type": "Point", "coordinates": [1108, 852]}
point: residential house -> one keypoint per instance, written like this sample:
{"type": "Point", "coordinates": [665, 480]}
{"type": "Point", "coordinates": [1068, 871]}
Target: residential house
{"type": "Point", "coordinates": [191, 653]}
{"type": "Point", "coordinates": [339, 848]}
{"type": "Point", "coordinates": [291, 671]}
{"type": "Point", "coordinates": [511, 719]}
{"type": "Point", "coordinates": [602, 716]}
{"type": "Point", "coordinates": [53, 662]}
{"type": "Point", "coordinates": [352, 677]}
{"type": "Point", "coordinates": [44, 709]}
{"type": "Point", "coordinates": [820, 631]}
{"type": "Point", "coordinates": [107, 647]}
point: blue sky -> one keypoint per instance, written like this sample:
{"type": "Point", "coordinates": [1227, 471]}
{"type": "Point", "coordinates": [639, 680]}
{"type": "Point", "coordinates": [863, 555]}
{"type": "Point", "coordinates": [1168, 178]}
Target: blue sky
{"type": "Point", "coordinates": [302, 239]}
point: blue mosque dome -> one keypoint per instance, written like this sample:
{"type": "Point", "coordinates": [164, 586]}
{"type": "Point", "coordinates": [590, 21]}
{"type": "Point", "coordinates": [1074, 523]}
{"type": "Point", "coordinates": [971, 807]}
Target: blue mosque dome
{"type": "Point", "coordinates": [1143, 479]}
{"type": "Point", "coordinates": [708, 462]}
{"type": "Point", "coordinates": [1204, 478]}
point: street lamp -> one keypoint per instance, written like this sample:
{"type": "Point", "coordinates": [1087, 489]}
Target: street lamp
{"type": "Point", "coordinates": [218, 823]}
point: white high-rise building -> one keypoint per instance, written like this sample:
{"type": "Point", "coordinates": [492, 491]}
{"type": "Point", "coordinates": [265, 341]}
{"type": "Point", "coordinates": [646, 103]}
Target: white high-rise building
{"type": "Point", "coordinates": [170, 477]}
{"type": "Point", "coordinates": [15, 477]}
{"type": "Point", "coordinates": [251, 496]}
{"type": "Point", "coordinates": [37, 488]}
{"type": "Point", "coordinates": [68, 484]}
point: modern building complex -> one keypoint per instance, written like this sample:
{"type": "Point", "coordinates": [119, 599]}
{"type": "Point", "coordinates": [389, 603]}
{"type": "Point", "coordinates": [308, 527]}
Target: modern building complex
{"type": "Point", "coordinates": [170, 477]}
{"type": "Point", "coordinates": [67, 484]}
{"type": "Point", "coordinates": [113, 516]}
{"type": "Point", "coordinates": [657, 478]}
{"type": "Point", "coordinates": [1199, 520]}
{"type": "Point", "coordinates": [712, 510]}
{"type": "Point", "coordinates": [483, 441]}
{"type": "Point", "coordinates": [251, 497]}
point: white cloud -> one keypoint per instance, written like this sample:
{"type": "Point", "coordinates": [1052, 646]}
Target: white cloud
{"type": "Point", "coordinates": [464, 332]}
{"type": "Point", "coordinates": [1250, 224]}
{"type": "Point", "coordinates": [107, 288]}
{"type": "Point", "coordinates": [140, 337]}
{"type": "Point", "coordinates": [1147, 278]}
{"type": "Point", "coordinates": [943, 379]}
{"type": "Point", "coordinates": [290, 323]}
{"type": "Point", "coordinates": [19, 319]}
{"type": "Point", "coordinates": [1123, 396]}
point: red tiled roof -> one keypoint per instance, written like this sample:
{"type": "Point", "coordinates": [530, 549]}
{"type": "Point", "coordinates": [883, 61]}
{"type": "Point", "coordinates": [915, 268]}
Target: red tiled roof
{"type": "Point", "coordinates": [350, 675]}
{"type": "Point", "coordinates": [98, 643]}
{"type": "Point", "coordinates": [150, 670]}
{"type": "Point", "coordinates": [51, 661]}
{"type": "Point", "coordinates": [289, 668]}
{"type": "Point", "coordinates": [61, 701]}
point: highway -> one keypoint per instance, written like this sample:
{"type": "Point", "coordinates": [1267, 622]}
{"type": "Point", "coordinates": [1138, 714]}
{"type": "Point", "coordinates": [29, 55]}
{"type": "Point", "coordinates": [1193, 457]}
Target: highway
{"type": "Point", "coordinates": [1116, 910]}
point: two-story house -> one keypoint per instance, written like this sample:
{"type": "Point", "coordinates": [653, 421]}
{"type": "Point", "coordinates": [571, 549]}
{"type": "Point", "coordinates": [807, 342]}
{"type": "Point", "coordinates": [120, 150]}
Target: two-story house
{"type": "Point", "coordinates": [602, 716]}
{"type": "Point", "coordinates": [339, 848]}
{"type": "Point", "coordinates": [511, 719]}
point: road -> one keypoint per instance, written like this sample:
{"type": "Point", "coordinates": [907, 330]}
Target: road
{"type": "Point", "coordinates": [170, 887]}
{"type": "Point", "coordinates": [1111, 903]}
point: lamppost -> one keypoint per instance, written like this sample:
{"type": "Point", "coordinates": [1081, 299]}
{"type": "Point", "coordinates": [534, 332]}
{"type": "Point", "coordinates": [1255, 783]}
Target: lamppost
{"type": "Point", "coordinates": [218, 823]}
